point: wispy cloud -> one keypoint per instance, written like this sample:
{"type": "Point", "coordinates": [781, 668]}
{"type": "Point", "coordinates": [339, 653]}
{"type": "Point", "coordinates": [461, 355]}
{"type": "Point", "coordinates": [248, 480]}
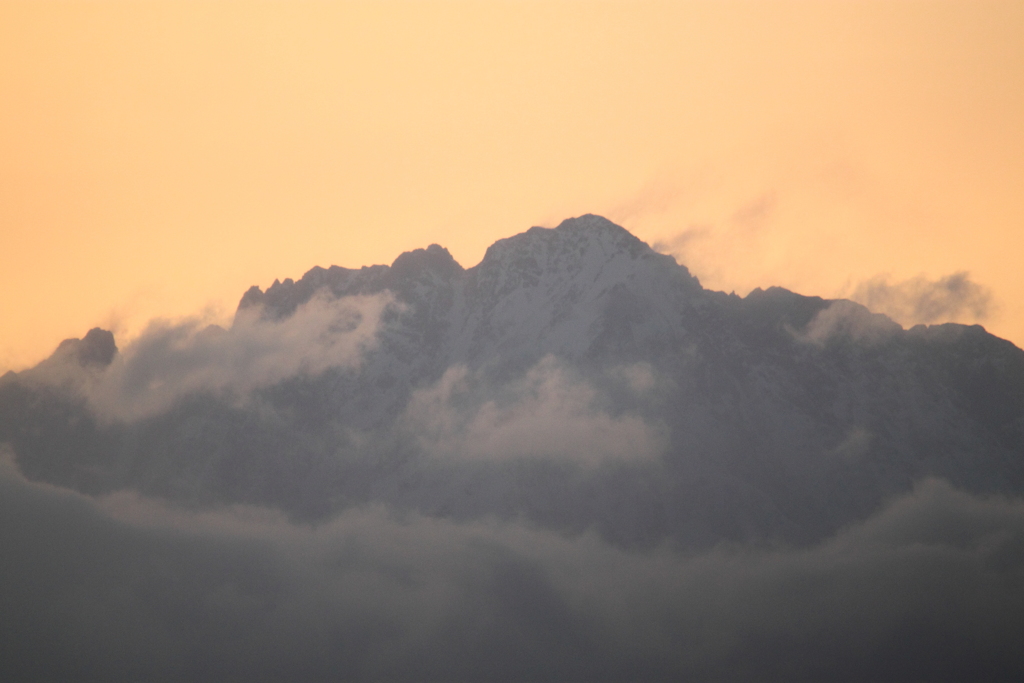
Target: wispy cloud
{"type": "Point", "coordinates": [655, 197]}
{"type": "Point", "coordinates": [753, 214]}
{"type": "Point", "coordinates": [679, 244]}
{"type": "Point", "coordinates": [847, 319]}
{"type": "Point", "coordinates": [170, 360]}
{"type": "Point", "coordinates": [549, 413]}
{"type": "Point", "coordinates": [953, 297]}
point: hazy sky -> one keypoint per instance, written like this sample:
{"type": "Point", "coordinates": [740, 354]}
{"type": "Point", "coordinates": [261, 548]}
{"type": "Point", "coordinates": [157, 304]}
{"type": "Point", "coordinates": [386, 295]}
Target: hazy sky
{"type": "Point", "coordinates": [158, 158]}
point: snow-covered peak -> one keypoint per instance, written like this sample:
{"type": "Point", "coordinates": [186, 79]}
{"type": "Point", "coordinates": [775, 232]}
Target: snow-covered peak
{"type": "Point", "coordinates": [560, 290]}
{"type": "Point", "coordinates": [589, 251]}
{"type": "Point", "coordinates": [576, 245]}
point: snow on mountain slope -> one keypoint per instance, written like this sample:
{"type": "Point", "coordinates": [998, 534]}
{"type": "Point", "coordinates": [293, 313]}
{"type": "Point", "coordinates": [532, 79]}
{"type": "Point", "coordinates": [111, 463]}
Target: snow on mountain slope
{"type": "Point", "coordinates": [564, 291]}
{"type": "Point", "coordinates": [575, 378]}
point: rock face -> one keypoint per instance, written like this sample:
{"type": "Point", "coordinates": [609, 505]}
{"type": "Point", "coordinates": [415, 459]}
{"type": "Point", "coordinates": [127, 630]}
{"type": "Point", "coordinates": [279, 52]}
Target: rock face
{"type": "Point", "coordinates": [574, 378]}
{"type": "Point", "coordinates": [96, 348]}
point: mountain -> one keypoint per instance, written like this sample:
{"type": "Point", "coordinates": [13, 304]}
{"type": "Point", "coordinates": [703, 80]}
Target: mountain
{"type": "Point", "coordinates": [569, 462]}
{"type": "Point", "coordinates": [574, 378]}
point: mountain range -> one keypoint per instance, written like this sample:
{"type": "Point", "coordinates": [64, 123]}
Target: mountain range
{"type": "Point", "coordinates": [575, 379]}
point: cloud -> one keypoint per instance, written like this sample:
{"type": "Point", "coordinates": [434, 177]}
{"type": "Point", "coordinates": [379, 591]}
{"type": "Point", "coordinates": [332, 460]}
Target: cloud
{"type": "Point", "coordinates": [171, 360]}
{"type": "Point", "coordinates": [747, 219]}
{"type": "Point", "coordinates": [721, 236]}
{"type": "Point", "coordinates": [638, 378]}
{"type": "Point", "coordinates": [123, 588]}
{"type": "Point", "coordinates": [854, 447]}
{"type": "Point", "coordinates": [846, 319]}
{"type": "Point", "coordinates": [919, 300]}
{"type": "Point", "coordinates": [678, 244]}
{"type": "Point", "coordinates": [549, 413]}
{"type": "Point", "coordinates": [753, 214]}
{"type": "Point", "coordinates": [655, 197]}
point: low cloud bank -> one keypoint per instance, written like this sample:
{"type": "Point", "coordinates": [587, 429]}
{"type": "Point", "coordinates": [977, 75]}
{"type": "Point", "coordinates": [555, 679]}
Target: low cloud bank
{"type": "Point", "coordinates": [171, 360]}
{"type": "Point", "coordinates": [548, 413]}
{"type": "Point", "coordinates": [127, 588]}
{"type": "Point", "coordinates": [953, 298]}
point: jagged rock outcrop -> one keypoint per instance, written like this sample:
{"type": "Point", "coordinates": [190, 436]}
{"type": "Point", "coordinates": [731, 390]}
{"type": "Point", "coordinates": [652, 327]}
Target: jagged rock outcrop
{"type": "Point", "coordinates": [97, 348]}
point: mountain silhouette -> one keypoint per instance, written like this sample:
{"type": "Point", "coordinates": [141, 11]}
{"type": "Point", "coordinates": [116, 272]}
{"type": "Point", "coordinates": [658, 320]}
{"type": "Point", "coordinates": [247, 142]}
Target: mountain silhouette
{"type": "Point", "coordinates": [574, 378]}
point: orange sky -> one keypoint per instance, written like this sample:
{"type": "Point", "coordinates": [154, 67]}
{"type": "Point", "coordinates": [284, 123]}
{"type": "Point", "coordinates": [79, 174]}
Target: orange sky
{"type": "Point", "coordinates": [157, 158]}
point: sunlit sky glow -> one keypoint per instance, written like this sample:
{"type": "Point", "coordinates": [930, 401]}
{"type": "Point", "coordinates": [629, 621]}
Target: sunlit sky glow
{"type": "Point", "coordinates": [158, 158]}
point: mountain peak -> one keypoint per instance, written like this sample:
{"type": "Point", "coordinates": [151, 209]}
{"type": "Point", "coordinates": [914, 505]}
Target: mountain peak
{"type": "Point", "coordinates": [434, 258]}
{"type": "Point", "coordinates": [573, 245]}
{"type": "Point", "coordinates": [96, 348]}
{"type": "Point", "coordinates": [593, 223]}
{"type": "Point", "coordinates": [588, 245]}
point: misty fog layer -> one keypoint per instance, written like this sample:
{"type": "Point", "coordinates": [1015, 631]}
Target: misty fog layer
{"type": "Point", "coordinates": [569, 462]}
{"type": "Point", "coordinates": [123, 587]}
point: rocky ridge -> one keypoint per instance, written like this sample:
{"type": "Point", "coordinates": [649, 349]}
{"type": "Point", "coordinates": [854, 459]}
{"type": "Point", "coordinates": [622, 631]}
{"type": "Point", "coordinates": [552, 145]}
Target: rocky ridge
{"type": "Point", "coordinates": [776, 416]}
